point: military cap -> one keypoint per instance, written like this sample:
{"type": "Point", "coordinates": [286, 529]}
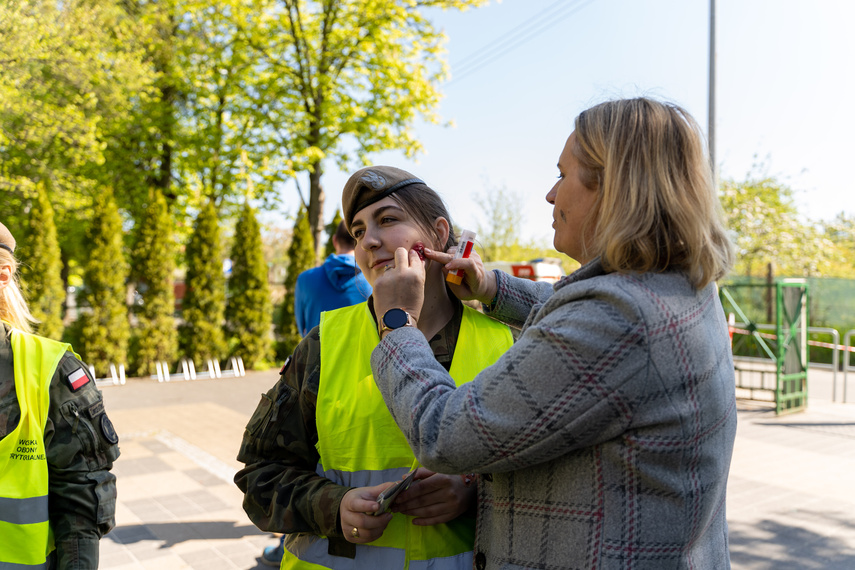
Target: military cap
{"type": "Point", "coordinates": [7, 242]}
{"type": "Point", "coordinates": [370, 185]}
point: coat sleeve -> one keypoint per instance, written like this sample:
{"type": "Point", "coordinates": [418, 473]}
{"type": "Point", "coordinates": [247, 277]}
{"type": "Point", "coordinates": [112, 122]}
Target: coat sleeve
{"type": "Point", "coordinates": [282, 490]}
{"type": "Point", "coordinates": [81, 446]}
{"type": "Point", "coordinates": [559, 388]}
{"type": "Point", "coordinates": [515, 298]}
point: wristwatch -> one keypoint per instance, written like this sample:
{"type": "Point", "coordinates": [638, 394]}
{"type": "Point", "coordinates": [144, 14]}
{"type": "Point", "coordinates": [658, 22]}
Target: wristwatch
{"type": "Point", "coordinates": [395, 319]}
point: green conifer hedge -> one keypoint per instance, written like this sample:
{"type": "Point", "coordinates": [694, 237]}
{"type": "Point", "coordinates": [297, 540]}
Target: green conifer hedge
{"type": "Point", "coordinates": [301, 256]}
{"type": "Point", "coordinates": [105, 330]}
{"type": "Point", "coordinates": [41, 267]}
{"type": "Point", "coordinates": [248, 308]}
{"type": "Point", "coordinates": [201, 336]}
{"type": "Point", "coordinates": [153, 268]}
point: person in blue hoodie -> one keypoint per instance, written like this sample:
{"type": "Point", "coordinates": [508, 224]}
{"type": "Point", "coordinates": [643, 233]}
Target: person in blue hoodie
{"type": "Point", "coordinates": [336, 283]}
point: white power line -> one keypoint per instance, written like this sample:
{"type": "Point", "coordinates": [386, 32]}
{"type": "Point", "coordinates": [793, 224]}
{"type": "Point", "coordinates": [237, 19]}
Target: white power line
{"type": "Point", "coordinates": [526, 31]}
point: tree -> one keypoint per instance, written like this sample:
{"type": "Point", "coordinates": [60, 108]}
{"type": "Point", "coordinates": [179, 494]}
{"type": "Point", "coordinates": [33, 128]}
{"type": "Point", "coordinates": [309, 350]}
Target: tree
{"type": "Point", "coordinates": [301, 256]}
{"type": "Point", "coordinates": [71, 71]}
{"type": "Point", "coordinates": [223, 136]}
{"type": "Point", "coordinates": [499, 235]}
{"type": "Point", "coordinates": [248, 309]}
{"type": "Point", "coordinates": [841, 233]}
{"type": "Point", "coordinates": [154, 265]}
{"type": "Point", "coordinates": [345, 74]}
{"type": "Point", "coordinates": [766, 228]}
{"type": "Point", "coordinates": [331, 228]}
{"type": "Point", "coordinates": [42, 266]}
{"type": "Point", "coordinates": [203, 308]}
{"type": "Point", "coordinates": [841, 230]}
{"type": "Point", "coordinates": [105, 330]}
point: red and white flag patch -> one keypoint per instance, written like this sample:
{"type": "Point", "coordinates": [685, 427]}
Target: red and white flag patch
{"type": "Point", "coordinates": [77, 379]}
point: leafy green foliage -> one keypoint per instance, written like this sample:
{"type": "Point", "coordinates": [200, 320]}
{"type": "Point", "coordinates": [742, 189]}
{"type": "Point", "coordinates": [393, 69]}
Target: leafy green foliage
{"type": "Point", "coordinates": [841, 233]}
{"type": "Point", "coordinates": [225, 148]}
{"type": "Point", "coordinates": [105, 330]}
{"type": "Point", "coordinates": [154, 265]}
{"type": "Point", "coordinates": [345, 74]}
{"type": "Point", "coordinates": [72, 70]}
{"type": "Point", "coordinates": [301, 256]}
{"type": "Point", "coordinates": [42, 266]}
{"type": "Point", "coordinates": [248, 309]}
{"type": "Point", "coordinates": [203, 308]}
{"type": "Point", "coordinates": [766, 228]}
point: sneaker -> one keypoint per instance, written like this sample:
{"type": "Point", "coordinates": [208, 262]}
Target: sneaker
{"type": "Point", "coordinates": [272, 555]}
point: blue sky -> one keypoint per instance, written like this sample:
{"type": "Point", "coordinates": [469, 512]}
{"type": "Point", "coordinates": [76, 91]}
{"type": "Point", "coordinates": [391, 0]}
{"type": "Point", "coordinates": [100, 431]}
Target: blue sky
{"type": "Point", "coordinates": [784, 95]}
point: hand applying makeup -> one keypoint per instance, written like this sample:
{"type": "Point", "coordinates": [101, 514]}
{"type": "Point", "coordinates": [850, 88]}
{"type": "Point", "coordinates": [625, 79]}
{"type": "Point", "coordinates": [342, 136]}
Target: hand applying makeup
{"type": "Point", "coordinates": [401, 286]}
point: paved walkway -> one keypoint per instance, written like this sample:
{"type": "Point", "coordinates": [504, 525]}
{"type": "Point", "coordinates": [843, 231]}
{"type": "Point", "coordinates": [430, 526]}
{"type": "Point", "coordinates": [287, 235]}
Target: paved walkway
{"type": "Point", "coordinates": [791, 501]}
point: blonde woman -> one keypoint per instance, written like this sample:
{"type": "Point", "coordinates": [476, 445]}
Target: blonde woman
{"type": "Point", "coordinates": [57, 495]}
{"type": "Point", "coordinates": [604, 435]}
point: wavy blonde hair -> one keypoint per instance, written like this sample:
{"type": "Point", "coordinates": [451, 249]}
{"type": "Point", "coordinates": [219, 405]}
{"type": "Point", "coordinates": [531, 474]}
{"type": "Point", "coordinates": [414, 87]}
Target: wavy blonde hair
{"type": "Point", "coordinates": [657, 207]}
{"type": "Point", "coordinates": [13, 307]}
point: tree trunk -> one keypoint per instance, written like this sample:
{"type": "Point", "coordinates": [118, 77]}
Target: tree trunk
{"type": "Point", "coordinates": [316, 206]}
{"type": "Point", "coordinates": [164, 176]}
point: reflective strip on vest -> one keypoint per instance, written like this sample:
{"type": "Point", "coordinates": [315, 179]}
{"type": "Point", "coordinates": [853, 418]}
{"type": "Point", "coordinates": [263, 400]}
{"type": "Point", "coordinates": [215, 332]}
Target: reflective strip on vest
{"type": "Point", "coordinates": [360, 445]}
{"type": "Point", "coordinates": [26, 538]}
{"type": "Point", "coordinates": [13, 566]}
{"type": "Point", "coordinates": [313, 549]}
{"type": "Point", "coordinates": [24, 511]}
{"type": "Point", "coordinates": [362, 478]}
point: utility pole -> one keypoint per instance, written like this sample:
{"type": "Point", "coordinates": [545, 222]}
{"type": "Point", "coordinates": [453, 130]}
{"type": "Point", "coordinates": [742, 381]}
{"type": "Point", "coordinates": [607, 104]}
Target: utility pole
{"type": "Point", "coordinates": [711, 100]}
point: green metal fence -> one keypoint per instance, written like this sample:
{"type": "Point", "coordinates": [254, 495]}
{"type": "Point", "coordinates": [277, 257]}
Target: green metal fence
{"type": "Point", "coordinates": [782, 355]}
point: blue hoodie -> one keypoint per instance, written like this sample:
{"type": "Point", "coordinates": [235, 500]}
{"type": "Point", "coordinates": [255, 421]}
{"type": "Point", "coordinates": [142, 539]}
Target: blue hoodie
{"type": "Point", "coordinates": [336, 283]}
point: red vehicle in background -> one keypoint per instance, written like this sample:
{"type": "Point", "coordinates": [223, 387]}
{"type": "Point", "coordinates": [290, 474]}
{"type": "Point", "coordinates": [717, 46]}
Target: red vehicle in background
{"type": "Point", "coordinates": [540, 269]}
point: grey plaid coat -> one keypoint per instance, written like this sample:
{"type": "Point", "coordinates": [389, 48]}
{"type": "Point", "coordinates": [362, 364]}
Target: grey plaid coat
{"type": "Point", "coordinates": [603, 436]}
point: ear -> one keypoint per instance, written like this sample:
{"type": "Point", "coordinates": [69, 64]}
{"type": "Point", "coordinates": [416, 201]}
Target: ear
{"type": "Point", "coordinates": [442, 229]}
{"type": "Point", "coordinates": [5, 275]}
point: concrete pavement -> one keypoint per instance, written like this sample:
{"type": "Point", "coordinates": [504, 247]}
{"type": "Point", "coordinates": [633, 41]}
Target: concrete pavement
{"type": "Point", "coordinates": [791, 492]}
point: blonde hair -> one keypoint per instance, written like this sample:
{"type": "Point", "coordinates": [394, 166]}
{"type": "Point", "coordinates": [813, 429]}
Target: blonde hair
{"type": "Point", "coordinates": [13, 307]}
{"type": "Point", "coordinates": [657, 207]}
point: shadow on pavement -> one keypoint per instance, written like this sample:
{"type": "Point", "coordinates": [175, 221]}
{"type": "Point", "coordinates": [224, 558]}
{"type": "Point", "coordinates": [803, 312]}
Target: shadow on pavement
{"type": "Point", "coordinates": [174, 533]}
{"type": "Point", "coordinates": [805, 424]}
{"type": "Point", "coordinates": [771, 544]}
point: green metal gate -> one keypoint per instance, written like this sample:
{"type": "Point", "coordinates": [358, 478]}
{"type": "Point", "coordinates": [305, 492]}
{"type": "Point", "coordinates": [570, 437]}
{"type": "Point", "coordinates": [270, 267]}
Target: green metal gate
{"type": "Point", "coordinates": [786, 350]}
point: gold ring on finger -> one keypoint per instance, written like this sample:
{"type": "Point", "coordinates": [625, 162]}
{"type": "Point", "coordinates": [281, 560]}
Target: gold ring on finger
{"type": "Point", "coordinates": [355, 532]}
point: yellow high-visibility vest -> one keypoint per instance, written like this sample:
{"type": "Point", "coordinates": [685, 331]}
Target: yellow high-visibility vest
{"type": "Point", "coordinates": [26, 538]}
{"type": "Point", "coordinates": [361, 445]}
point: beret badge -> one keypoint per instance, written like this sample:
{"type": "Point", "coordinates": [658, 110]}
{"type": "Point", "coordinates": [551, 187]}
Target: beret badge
{"type": "Point", "coordinates": [373, 179]}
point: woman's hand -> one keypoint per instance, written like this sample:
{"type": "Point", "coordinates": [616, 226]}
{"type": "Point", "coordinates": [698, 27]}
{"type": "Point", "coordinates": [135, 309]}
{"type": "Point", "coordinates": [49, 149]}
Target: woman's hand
{"type": "Point", "coordinates": [435, 498]}
{"type": "Point", "coordinates": [478, 283]}
{"type": "Point", "coordinates": [401, 286]}
{"type": "Point", "coordinates": [355, 513]}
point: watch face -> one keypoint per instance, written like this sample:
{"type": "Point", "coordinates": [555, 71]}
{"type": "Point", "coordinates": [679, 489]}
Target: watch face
{"type": "Point", "coordinates": [395, 318]}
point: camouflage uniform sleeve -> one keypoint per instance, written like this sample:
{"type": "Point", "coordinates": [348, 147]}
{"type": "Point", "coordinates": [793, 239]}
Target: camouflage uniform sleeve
{"type": "Point", "coordinates": [81, 446]}
{"type": "Point", "coordinates": [282, 491]}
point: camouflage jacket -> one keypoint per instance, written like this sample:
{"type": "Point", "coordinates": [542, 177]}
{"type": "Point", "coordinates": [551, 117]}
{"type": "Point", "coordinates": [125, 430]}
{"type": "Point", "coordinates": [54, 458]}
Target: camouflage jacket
{"type": "Point", "coordinates": [80, 445]}
{"type": "Point", "coordinates": [282, 491]}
